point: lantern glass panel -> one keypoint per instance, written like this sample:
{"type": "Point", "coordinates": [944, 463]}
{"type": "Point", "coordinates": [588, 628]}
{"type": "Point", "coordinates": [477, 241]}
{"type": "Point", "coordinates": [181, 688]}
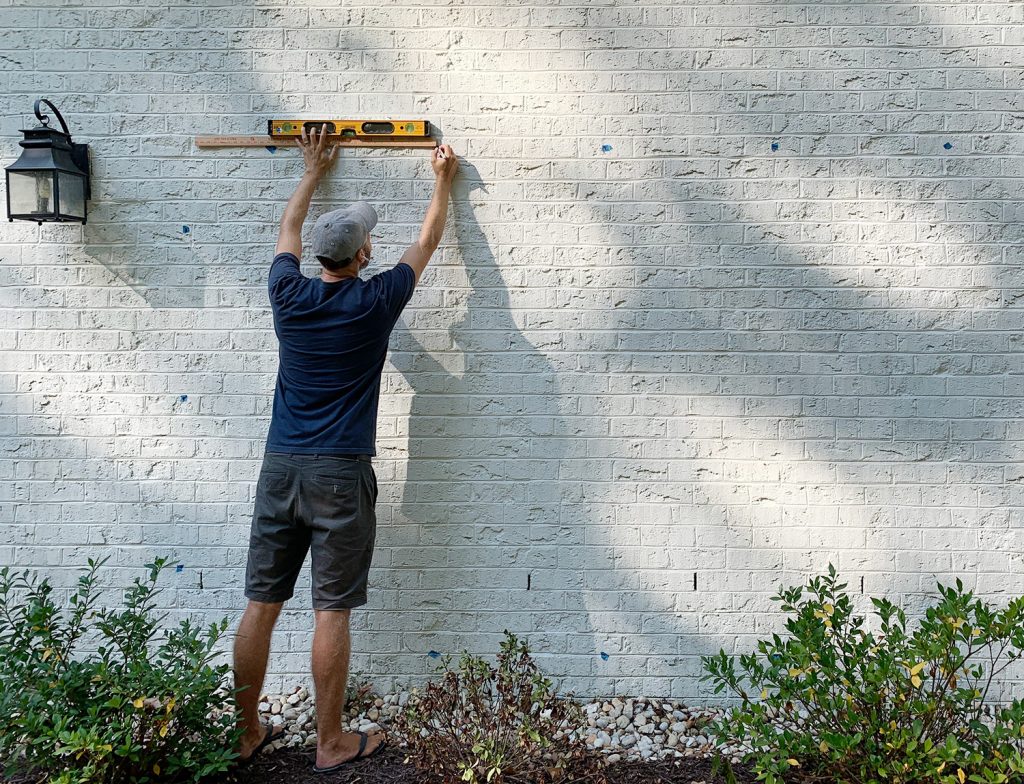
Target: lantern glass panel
{"type": "Point", "coordinates": [72, 195]}
{"type": "Point", "coordinates": [31, 193]}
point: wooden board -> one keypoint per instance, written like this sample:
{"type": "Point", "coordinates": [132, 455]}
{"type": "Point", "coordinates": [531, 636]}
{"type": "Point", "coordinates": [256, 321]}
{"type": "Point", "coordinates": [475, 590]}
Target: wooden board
{"type": "Point", "coordinates": [213, 142]}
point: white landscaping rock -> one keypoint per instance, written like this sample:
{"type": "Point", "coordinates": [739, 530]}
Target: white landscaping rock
{"type": "Point", "coordinates": [621, 728]}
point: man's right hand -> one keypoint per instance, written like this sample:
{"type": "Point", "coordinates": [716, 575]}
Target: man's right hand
{"type": "Point", "coordinates": [444, 163]}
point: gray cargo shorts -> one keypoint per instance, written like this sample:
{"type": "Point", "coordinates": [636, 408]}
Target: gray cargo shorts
{"type": "Point", "coordinates": [317, 503]}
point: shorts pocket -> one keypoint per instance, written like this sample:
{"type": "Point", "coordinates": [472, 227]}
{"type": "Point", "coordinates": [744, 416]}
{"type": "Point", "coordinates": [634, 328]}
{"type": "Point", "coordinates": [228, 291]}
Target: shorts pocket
{"type": "Point", "coordinates": [338, 485]}
{"type": "Point", "coordinates": [333, 505]}
{"type": "Point", "coordinates": [273, 481]}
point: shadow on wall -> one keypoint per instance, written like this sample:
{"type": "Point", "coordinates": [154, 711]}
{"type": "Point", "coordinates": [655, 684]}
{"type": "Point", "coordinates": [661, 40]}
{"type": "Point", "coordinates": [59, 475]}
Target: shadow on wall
{"type": "Point", "coordinates": [796, 337]}
{"type": "Point", "coordinates": [152, 352]}
{"type": "Point", "coordinates": [497, 547]}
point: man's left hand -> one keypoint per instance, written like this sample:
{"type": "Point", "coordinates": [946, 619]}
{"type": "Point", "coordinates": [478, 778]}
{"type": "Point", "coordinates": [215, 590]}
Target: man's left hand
{"type": "Point", "coordinates": [318, 155]}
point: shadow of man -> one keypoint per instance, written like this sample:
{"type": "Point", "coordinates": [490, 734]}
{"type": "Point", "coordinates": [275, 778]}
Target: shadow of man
{"type": "Point", "coordinates": [487, 448]}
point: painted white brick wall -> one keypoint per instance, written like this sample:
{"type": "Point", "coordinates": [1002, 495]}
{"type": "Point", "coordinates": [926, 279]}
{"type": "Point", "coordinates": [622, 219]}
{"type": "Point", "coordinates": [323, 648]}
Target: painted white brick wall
{"type": "Point", "coordinates": [729, 291]}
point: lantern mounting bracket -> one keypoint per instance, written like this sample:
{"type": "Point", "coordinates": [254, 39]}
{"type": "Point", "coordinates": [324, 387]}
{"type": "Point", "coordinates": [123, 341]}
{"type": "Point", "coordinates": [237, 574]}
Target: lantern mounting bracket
{"type": "Point", "coordinates": [80, 155]}
{"type": "Point", "coordinates": [79, 152]}
{"type": "Point", "coordinates": [45, 119]}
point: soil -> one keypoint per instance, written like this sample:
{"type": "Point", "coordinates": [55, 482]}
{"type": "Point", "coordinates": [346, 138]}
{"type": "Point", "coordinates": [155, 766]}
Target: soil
{"type": "Point", "coordinates": [289, 766]}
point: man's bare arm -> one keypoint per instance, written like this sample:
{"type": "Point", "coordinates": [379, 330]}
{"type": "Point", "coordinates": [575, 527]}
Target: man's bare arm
{"type": "Point", "coordinates": [318, 159]}
{"type": "Point", "coordinates": [445, 164]}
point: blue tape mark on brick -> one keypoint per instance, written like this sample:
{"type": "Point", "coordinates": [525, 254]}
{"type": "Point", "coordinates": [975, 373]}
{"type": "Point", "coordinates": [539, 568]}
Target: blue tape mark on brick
{"type": "Point", "coordinates": [775, 146]}
{"type": "Point", "coordinates": [185, 229]}
{"type": "Point", "coordinates": [433, 654]}
{"type": "Point", "coordinates": [606, 148]}
{"type": "Point", "coordinates": [947, 146]}
{"type": "Point", "coordinates": [271, 149]}
{"type": "Point", "coordinates": [183, 398]}
{"type": "Point", "coordinates": [604, 655]}
{"type": "Point", "coordinates": [179, 568]}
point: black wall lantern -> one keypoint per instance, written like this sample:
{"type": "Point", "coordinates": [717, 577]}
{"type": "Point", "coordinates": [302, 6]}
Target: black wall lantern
{"type": "Point", "coordinates": [50, 181]}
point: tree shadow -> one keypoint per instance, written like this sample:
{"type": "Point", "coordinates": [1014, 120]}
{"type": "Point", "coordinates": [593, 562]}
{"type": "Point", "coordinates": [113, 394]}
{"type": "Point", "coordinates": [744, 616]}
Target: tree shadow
{"type": "Point", "coordinates": [143, 410]}
{"type": "Point", "coordinates": [794, 337]}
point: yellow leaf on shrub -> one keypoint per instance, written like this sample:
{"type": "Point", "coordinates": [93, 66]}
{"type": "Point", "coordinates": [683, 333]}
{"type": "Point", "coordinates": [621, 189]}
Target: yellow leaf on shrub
{"type": "Point", "coordinates": [163, 731]}
{"type": "Point", "coordinates": [170, 704]}
{"type": "Point", "coordinates": [794, 671]}
{"type": "Point", "coordinates": [916, 680]}
{"type": "Point", "coordinates": [961, 775]}
{"type": "Point", "coordinates": [829, 609]}
{"type": "Point", "coordinates": [793, 762]}
{"type": "Point", "coordinates": [138, 702]}
{"type": "Point", "coordinates": [156, 769]}
{"type": "Point", "coordinates": [917, 668]}
{"type": "Point", "coordinates": [823, 747]}
{"type": "Point", "coordinates": [764, 696]}
{"type": "Point", "coordinates": [939, 769]}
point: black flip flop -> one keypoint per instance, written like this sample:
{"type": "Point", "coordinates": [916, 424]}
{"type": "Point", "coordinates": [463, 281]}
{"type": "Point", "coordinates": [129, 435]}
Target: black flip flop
{"type": "Point", "coordinates": [363, 737]}
{"type": "Point", "coordinates": [269, 738]}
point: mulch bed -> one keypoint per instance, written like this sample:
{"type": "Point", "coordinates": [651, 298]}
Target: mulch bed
{"type": "Point", "coordinates": [291, 766]}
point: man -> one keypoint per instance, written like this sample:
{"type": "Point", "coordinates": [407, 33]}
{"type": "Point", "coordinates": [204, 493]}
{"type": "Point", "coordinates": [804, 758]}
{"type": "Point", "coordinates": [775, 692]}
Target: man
{"type": "Point", "coordinates": [317, 489]}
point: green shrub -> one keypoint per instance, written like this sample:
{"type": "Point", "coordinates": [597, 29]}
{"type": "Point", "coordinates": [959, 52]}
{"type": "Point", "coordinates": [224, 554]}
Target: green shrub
{"type": "Point", "coordinates": [494, 725]}
{"type": "Point", "coordinates": [835, 702]}
{"type": "Point", "coordinates": [138, 706]}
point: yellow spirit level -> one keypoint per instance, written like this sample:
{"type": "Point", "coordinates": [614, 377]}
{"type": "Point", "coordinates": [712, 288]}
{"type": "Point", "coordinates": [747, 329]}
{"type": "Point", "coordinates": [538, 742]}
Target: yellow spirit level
{"type": "Point", "coordinates": [350, 129]}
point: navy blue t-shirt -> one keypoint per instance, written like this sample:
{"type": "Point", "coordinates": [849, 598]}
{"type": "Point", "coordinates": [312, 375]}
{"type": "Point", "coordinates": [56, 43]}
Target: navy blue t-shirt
{"type": "Point", "coordinates": [332, 338]}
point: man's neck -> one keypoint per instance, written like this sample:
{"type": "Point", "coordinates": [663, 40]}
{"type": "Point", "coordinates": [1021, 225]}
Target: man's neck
{"type": "Point", "coordinates": [334, 277]}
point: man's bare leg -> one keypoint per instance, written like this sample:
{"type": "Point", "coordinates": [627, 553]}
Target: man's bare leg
{"type": "Point", "coordinates": [252, 649]}
{"type": "Point", "coordinates": [331, 649]}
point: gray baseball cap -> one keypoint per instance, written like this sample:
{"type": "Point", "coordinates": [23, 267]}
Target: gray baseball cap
{"type": "Point", "coordinates": [338, 235]}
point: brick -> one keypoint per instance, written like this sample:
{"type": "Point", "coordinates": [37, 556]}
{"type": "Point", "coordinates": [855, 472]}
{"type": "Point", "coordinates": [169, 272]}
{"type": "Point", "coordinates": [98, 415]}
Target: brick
{"type": "Point", "coordinates": [716, 300]}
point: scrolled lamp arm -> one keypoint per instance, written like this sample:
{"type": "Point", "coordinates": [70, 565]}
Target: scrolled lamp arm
{"type": "Point", "coordinates": [45, 120]}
